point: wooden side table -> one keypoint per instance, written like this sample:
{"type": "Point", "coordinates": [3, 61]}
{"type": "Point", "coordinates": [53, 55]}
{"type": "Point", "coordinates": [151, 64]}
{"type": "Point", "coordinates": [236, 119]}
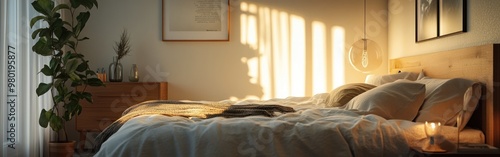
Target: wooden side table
{"type": "Point", "coordinates": [111, 100]}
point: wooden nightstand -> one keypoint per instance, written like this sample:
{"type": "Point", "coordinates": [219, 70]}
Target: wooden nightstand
{"type": "Point", "coordinates": [110, 101]}
{"type": "Point", "coordinates": [417, 152]}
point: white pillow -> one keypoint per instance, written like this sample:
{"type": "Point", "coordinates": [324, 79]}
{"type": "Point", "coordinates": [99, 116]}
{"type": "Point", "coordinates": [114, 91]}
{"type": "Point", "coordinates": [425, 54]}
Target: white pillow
{"type": "Point", "coordinates": [444, 99]}
{"type": "Point", "coordinates": [378, 80]}
{"type": "Point", "coordinates": [397, 100]}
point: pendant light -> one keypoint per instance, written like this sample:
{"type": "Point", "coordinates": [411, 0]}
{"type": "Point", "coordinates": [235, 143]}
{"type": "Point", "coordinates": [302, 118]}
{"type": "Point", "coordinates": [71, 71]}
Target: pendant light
{"type": "Point", "coordinates": [365, 55]}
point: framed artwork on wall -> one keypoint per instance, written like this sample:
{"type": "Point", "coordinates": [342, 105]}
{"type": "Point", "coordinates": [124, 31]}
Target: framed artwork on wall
{"type": "Point", "coordinates": [451, 17]}
{"type": "Point", "coordinates": [426, 19]}
{"type": "Point", "coordinates": [437, 18]}
{"type": "Point", "coordinates": [195, 20]}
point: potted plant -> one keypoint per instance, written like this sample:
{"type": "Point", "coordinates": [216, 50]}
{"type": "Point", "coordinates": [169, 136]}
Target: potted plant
{"type": "Point", "coordinates": [67, 68]}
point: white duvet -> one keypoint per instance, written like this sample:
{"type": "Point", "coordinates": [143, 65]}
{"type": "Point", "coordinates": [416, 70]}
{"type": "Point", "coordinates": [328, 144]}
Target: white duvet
{"type": "Point", "coordinates": [311, 131]}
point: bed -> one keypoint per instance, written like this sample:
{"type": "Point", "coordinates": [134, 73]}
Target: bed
{"type": "Point", "coordinates": [312, 126]}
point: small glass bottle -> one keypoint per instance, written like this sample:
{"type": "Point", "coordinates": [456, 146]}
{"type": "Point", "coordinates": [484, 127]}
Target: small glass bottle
{"type": "Point", "coordinates": [134, 74]}
{"type": "Point", "coordinates": [115, 71]}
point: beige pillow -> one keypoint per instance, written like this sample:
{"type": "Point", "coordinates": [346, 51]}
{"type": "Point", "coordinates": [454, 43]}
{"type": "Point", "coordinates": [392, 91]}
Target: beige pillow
{"type": "Point", "coordinates": [343, 94]}
{"type": "Point", "coordinates": [396, 100]}
{"type": "Point", "coordinates": [444, 99]}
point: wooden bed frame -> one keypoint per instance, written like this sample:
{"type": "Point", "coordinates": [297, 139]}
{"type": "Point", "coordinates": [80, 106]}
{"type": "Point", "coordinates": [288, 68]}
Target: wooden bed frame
{"type": "Point", "coordinates": [479, 63]}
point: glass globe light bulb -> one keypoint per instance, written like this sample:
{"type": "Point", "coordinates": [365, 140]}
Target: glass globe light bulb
{"type": "Point", "coordinates": [365, 55]}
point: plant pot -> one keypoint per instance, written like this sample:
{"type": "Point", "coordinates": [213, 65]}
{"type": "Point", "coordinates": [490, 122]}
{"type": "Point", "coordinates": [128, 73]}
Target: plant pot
{"type": "Point", "coordinates": [62, 149]}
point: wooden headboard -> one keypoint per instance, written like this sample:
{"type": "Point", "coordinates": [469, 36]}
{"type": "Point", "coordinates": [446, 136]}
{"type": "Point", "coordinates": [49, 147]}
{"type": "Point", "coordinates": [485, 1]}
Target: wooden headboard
{"type": "Point", "coordinates": [478, 63]}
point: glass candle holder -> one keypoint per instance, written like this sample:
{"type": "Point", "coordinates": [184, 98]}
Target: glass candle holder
{"type": "Point", "coordinates": [432, 130]}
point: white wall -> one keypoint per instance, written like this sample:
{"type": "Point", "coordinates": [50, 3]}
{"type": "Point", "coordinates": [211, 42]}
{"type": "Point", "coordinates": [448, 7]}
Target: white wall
{"type": "Point", "coordinates": [482, 28]}
{"type": "Point", "coordinates": [219, 70]}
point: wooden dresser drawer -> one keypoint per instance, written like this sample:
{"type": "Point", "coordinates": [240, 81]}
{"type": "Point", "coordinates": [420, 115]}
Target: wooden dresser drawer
{"type": "Point", "coordinates": [111, 100]}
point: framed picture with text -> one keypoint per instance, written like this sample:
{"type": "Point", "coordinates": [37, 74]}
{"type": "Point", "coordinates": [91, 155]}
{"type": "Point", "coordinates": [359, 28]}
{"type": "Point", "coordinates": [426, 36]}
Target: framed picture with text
{"type": "Point", "coordinates": [195, 20]}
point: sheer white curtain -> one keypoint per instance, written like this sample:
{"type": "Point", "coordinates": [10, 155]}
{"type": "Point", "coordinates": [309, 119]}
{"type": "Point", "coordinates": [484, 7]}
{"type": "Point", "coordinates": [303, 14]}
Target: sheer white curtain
{"type": "Point", "coordinates": [20, 106]}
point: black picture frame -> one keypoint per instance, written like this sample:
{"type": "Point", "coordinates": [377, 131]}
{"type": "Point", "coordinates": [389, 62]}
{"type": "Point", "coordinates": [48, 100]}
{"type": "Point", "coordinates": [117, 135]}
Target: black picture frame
{"type": "Point", "coordinates": [437, 18]}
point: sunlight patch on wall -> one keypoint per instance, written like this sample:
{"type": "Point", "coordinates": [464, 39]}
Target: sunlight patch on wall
{"type": "Point", "coordinates": [338, 60]}
{"type": "Point", "coordinates": [298, 55]}
{"type": "Point", "coordinates": [281, 52]}
{"type": "Point", "coordinates": [319, 57]}
{"type": "Point", "coordinates": [265, 51]}
{"type": "Point", "coordinates": [282, 62]}
{"type": "Point", "coordinates": [249, 25]}
{"type": "Point", "coordinates": [243, 24]}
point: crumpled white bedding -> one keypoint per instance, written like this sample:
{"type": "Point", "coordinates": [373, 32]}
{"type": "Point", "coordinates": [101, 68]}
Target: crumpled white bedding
{"type": "Point", "coordinates": [311, 131]}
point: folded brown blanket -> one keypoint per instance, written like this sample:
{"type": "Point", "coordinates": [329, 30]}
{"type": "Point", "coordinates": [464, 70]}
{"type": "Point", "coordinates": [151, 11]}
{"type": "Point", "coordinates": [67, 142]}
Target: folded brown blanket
{"type": "Point", "coordinates": [188, 109]}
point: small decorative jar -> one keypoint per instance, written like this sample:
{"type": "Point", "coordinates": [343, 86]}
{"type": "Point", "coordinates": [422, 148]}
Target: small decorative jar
{"type": "Point", "coordinates": [134, 74]}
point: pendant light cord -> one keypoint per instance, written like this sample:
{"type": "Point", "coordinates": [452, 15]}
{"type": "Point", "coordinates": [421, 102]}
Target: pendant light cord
{"type": "Point", "coordinates": [364, 19]}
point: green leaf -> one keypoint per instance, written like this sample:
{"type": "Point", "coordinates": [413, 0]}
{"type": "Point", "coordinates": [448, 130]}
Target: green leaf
{"type": "Point", "coordinates": [64, 35]}
{"type": "Point", "coordinates": [74, 77]}
{"type": "Point", "coordinates": [54, 62]}
{"type": "Point", "coordinates": [58, 98]}
{"type": "Point", "coordinates": [82, 67]}
{"type": "Point", "coordinates": [45, 32]}
{"type": "Point", "coordinates": [43, 6]}
{"type": "Point", "coordinates": [71, 66]}
{"type": "Point", "coordinates": [94, 82]}
{"type": "Point", "coordinates": [75, 3]}
{"type": "Point", "coordinates": [56, 123]}
{"type": "Point", "coordinates": [47, 5]}
{"type": "Point", "coordinates": [79, 109]}
{"type": "Point", "coordinates": [59, 7]}
{"type": "Point", "coordinates": [82, 19]}
{"type": "Point", "coordinates": [71, 109]}
{"type": "Point", "coordinates": [82, 76]}
{"type": "Point", "coordinates": [43, 88]}
{"type": "Point", "coordinates": [43, 120]}
{"type": "Point", "coordinates": [41, 47]}
{"type": "Point", "coordinates": [87, 4]}
{"type": "Point", "coordinates": [58, 28]}
{"type": "Point", "coordinates": [82, 39]}
{"type": "Point", "coordinates": [46, 70]}
{"type": "Point", "coordinates": [87, 96]}
{"type": "Point", "coordinates": [68, 55]}
{"type": "Point", "coordinates": [90, 72]}
{"type": "Point", "coordinates": [71, 44]}
{"type": "Point", "coordinates": [35, 33]}
{"type": "Point", "coordinates": [36, 19]}
{"type": "Point", "coordinates": [95, 3]}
